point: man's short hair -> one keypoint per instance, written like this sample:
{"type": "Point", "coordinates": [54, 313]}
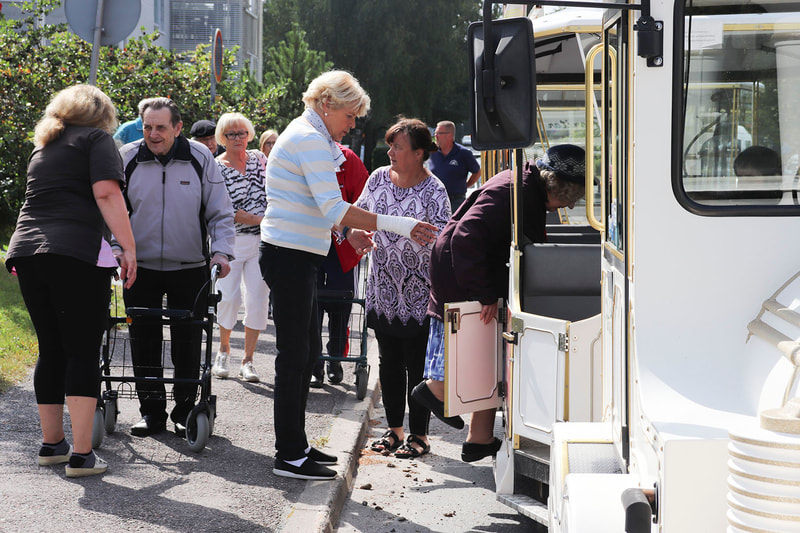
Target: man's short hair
{"type": "Point", "coordinates": [161, 103]}
{"type": "Point", "coordinates": [447, 124]}
{"type": "Point", "coordinates": [142, 103]}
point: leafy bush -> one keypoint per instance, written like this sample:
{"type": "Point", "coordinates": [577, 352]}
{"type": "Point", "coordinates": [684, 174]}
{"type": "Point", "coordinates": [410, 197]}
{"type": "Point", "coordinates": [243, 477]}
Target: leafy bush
{"type": "Point", "coordinates": [36, 62]}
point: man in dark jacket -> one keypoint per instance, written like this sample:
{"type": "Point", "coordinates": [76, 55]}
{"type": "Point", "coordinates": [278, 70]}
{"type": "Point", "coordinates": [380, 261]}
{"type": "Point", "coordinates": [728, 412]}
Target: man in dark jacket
{"type": "Point", "coordinates": [205, 132]}
{"type": "Point", "coordinates": [469, 263]}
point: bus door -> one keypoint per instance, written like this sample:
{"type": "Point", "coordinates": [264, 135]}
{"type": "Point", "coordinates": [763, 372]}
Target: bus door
{"type": "Point", "coordinates": [614, 209]}
{"type": "Point", "coordinates": [549, 360]}
{"type": "Point", "coordinates": [473, 362]}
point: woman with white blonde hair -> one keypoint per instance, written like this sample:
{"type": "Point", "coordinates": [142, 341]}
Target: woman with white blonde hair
{"type": "Point", "coordinates": [64, 264]}
{"type": "Point", "coordinates": [304, 203]}
{"type": "Point", "coordinates": [244, 173]}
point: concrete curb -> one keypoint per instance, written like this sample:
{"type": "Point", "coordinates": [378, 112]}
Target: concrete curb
{"type": "Point", "coordinates": [319, 506]}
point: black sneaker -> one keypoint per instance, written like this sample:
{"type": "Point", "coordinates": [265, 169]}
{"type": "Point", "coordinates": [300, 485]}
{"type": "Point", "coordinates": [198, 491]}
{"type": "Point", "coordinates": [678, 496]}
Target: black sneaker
{"type": "Point", "coordinates": [335, 372]}
{"type": "Point", "coordinates": [316, 380]}
{"type": "Point", "coordinates": [147, 426]}
{"type": "Point", "coordinates": [321, 458]}
{"type": "Point", "coordinates": [310, 469]}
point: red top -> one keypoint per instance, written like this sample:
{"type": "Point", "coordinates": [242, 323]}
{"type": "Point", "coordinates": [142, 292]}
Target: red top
{"type": "Point", "coordinates": [352, 176]}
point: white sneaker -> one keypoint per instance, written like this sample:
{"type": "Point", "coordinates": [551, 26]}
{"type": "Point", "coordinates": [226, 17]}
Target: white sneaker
{"type": "Point", "coordinates": [248, 373]}
{"type": "Point", "coordinates": [99, 467]}
{"type": "Point", "coordinates": [220, 368]}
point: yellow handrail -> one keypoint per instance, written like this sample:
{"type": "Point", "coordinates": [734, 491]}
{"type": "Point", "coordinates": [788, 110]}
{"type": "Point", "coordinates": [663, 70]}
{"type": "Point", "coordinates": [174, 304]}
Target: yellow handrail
{"type": "Point", "coordinates": [590, 102]}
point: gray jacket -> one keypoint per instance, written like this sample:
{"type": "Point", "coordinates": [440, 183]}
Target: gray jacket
{"type": "Point", "coordinates": [180, 211]}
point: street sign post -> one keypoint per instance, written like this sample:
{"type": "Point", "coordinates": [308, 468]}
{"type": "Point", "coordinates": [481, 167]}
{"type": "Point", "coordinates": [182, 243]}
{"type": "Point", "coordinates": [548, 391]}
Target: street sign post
{"type": "Point", "coordinates": [216, 64]}
{"type": "Point", "coordinates": [102, 22]}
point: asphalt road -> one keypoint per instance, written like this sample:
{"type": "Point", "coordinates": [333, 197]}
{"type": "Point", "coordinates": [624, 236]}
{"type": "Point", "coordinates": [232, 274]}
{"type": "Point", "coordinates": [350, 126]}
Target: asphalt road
{"type": "Point", "coordinates": [157, 484]}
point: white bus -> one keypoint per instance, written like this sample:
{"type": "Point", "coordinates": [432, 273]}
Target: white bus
{"type": "Point", "coordinates": [649, 380]}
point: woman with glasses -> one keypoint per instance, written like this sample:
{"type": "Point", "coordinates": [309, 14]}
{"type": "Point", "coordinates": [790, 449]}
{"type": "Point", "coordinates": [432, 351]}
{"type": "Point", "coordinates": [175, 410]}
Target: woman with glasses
{"type": "Point", "coordinates": [244, 173]}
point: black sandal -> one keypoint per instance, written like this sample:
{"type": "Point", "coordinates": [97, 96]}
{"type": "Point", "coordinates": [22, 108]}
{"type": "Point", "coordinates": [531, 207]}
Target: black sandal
{"type": "Point", "coordinates": [384, 444]}
{"type": "Point", "coordinates": [408, 451]}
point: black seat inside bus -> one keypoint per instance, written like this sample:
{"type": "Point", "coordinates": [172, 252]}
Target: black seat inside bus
{"type": "Point", "coordinates": [561, 280]}
{"type": "Point", "coordinates": [572, 234]}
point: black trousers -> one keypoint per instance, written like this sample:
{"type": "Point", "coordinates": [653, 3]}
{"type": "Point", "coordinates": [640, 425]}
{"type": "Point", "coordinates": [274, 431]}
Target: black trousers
{"type": "Point", "coordinates": [292, 279]}
{"type": "Point", "coordinates": [67, 300]}
{"type": "Point", "coordinates": [185, 289]}
{"type": "Point", "coordinates": [402, 363]}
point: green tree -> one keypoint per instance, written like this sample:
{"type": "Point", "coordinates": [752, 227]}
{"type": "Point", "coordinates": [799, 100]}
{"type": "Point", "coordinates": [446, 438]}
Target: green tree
{"type": "Point", "coordinates": [36, 62]}
{"type": "Point", "coordinates": [410, 56]}
{"type": "Point", "coordinates": [291, 64]}
{"type": "Point", "coordinates": [280, 16]}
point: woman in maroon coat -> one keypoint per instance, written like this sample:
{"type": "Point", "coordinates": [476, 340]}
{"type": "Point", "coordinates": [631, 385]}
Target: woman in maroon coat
{"type": "Point", "coordinates": [469, 262]}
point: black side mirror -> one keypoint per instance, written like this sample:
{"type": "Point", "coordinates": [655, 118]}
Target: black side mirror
{"type": "Point", "coordinates": [504, 79]}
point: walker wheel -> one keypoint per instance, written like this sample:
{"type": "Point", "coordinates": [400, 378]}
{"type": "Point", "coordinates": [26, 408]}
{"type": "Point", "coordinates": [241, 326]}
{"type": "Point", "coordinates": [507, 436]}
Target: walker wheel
{"type": "Point", "coordinates": [98, 428]}
{"type": "Point", "coordinates": [361, 382]}
{"type": "Point", "coordinates": [197, 430]}
{"type": "Point", "coordinates": [110, 415]}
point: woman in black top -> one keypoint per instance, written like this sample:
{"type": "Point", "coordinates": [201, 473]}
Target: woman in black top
{"type": "Point", "coordinates": [64, 263]}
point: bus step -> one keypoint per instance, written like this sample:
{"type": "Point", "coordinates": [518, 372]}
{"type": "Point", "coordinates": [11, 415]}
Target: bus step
{"type": "Point", "coordinates": [527, 506]}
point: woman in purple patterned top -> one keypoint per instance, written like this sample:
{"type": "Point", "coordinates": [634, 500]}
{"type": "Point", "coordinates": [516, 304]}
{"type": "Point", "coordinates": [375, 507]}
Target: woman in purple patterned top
{"type": "Point", "coordinates": [399, 284]}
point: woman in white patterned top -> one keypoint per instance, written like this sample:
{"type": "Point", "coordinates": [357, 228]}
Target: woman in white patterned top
{"type": "Point", "coordinates": [399, 283]}
{"type": "Point", "coordinates": [244, 172]}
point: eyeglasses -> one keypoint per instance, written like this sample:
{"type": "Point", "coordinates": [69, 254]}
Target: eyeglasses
{"type": "Point", "coordinates": [231, 135]}
{"type": "Point", "coordinates": [269, 143]}
{"type": "Point", "coordinates": [438, 133]}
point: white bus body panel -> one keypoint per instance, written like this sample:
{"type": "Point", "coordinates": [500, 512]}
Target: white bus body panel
{"type": "Point", "coordinates": [695, 284]}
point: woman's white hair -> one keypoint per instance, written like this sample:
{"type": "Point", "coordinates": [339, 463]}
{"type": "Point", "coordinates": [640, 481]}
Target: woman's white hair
{"type": "Point", "coordinates": [229, 120]}
{"type": "Point", "coordinates": [338, 89]}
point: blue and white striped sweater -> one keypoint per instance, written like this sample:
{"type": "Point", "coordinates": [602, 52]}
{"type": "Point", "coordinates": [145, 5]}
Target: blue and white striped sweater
{"type": "Point", "coordinates": [303, 197]}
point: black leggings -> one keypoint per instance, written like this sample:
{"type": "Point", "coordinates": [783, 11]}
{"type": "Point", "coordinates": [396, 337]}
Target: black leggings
{"type": "Point", "coordinates": [402, 363]}
{"type": "Point", "coordinates": [68, 303]}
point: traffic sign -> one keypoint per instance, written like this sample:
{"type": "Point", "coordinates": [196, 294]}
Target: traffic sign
{"type": "Point", "coordinates": [119, 19]}
{"type": "Point", "coordinates": [216, 55]}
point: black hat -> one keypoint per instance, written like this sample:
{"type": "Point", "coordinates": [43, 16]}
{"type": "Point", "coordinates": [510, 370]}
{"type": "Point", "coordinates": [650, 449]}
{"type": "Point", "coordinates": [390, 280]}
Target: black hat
{"type": "Point", "coordinates": [567, 161]}
{"type": "Point", "coordinates": [203, 128]}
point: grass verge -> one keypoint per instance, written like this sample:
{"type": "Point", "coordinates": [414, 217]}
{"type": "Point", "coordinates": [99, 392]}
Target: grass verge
{"type": "Point", "coordinates": [18, 344]}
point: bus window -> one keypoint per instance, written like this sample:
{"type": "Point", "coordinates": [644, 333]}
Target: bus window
{"type": "Point", "coordinates": [562, 120]}
{"type": "Point", "coordinates": [739, 94]}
